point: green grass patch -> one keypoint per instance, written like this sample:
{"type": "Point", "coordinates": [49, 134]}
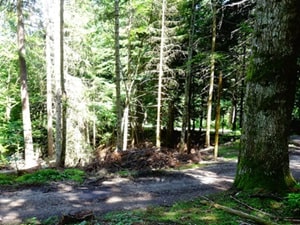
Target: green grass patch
{"type": "Point", "coordinates": [7, 179]}
{"type": "Point", "coordinates": [43, 176]}
{"type": "Point", "coordinates": [197, 212]}
{"type": "Point", "coordinates": [230, 151]}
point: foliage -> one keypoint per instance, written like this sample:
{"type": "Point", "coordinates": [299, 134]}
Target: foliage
{"type": "Point", "coordinates": [293, 201]}
{"type": "Point", "coordinates": [43, 176]}
{"type": "Point", "coordinates": [120, 218]}
{"type": "Point", "coordinates": [6, 179]}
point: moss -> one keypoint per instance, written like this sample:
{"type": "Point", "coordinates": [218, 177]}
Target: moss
{"type": "Point", "coordinates": [253, 176]}
{"type": "Point", "coordinates": [266, 68]}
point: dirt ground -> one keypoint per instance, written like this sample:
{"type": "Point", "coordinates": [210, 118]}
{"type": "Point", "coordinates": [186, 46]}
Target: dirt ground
{"type": "Point", "coordinates": [100, 195]}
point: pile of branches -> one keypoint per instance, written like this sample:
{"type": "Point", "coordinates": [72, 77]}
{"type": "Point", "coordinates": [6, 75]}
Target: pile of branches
{"type": "Point", "coordinates": [142, 159]}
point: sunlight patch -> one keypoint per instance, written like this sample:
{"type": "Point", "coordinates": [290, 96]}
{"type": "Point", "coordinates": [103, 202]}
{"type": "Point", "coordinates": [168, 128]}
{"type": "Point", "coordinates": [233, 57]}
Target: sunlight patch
{"type": "Point", "coordinates": [114, 199]}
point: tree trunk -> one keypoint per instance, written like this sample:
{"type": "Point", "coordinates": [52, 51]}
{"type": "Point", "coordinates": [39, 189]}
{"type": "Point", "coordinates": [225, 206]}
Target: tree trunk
{"type": "Point", "coordinates": [49, 72]}
{"type": "Point", "coordinates": [218, 116]}
{"type": "Point", "coordinates": [30, 156]}
{"type": "Point", "coordinates": [128, 84]}
{"type": "Point", "coordinates": [264, 159]}
{"type": "Point", "coordinates": [125, 125]}
{"type": "Point", "coordinates": [170, 124]}
{"type": "Point", "coordinates": [186, 124]}
{"type": "Point", "coordinates": [242, 95]}
{"type": "Point", "coordinates": [233, 111]}
{"type": "Point", "coordinates": [160, 75]}
{"type": "Point", "coordinates": [118, 77]}
{"type": "Point", "coordinates": [212, 73]}
{"type": "Point", "coordinates": [60, 95]}
{"type": "Point", "coordinates": [63, 89]}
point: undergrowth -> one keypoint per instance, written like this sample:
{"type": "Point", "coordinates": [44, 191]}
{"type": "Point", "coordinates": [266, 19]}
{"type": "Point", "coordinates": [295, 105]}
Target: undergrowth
{"type": "Point", "coordinates": [281, 210]}
{"type": "Point", "coordinates": [42, 177]}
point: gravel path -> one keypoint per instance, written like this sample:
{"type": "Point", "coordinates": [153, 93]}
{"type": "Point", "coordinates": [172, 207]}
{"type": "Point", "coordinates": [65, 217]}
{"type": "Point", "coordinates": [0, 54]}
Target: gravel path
{"type": "Point", "coordinates": [102, 196]}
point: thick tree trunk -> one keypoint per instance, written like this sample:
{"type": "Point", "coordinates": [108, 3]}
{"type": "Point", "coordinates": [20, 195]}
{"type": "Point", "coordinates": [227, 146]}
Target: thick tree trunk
{"type": "Point", "coordinates": [242, 88]}
{"type": "Point", "coordinates": [30, 157]}
{"type": "Point", "coordinates": [264, 160]}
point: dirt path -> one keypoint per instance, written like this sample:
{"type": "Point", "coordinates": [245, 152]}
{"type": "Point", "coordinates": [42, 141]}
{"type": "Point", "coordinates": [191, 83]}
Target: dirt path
{"type": "Point", "coordinates": [120, 193]}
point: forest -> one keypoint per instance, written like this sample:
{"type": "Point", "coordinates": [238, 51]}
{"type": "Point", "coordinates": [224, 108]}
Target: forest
{"type": "Point", "coordinates": [151, 84]}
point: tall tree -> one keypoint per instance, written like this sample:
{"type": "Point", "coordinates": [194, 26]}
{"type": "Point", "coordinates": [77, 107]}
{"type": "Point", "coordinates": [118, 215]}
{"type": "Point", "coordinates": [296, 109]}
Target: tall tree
{"type": "Point", "coordinates": [60, 94]}
{"type": "Point", "coordinates": [30, 157]}
{"type": "Point", "coordinates": [186, 124]}
{"type": "Point", "coordinates": [118, 76]}
{"type": "Point", "coordinates": [218, 116]}
{"type": "Point", "coordinates": [271, 83]}
{"type": "Point", "coordinates": [212, 72]}
{"type": "Point", "coordinates": [160, 74]}
{"type": "Point", "coordinates": [49, 71]}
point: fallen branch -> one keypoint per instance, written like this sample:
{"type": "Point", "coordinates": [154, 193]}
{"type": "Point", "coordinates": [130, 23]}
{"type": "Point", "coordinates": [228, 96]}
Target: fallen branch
{"type": "Point", "coordinates": [237, 3]}
{"type": "Point", "coordinates": [239, 213]}
{"type": "Point", "coordinates": [253, 209]}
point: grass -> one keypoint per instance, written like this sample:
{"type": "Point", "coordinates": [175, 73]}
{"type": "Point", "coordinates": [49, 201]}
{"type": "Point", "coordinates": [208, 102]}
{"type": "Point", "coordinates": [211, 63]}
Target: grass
{"type": "Point", "coordinates": [198, 212]}
{"type": "Point", "coordinates": [42, 177]}
{"type": "Point", "coordinates": [230, 152]}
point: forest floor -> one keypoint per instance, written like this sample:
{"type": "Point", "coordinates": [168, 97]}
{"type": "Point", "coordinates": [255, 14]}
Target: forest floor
{"type": "Point", "coordinates": [101, 193]}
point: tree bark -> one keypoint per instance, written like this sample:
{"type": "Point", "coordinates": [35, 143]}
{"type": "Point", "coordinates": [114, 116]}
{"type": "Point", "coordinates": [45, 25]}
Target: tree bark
{"type": "Point", "coordinates": [170, 124]}
{"type": "Point", "coordinates": [49, 71]}
{"type": "Point", "coordinates": [30, 156]}
{"type": "Point", "coordinates": [160, 75]}
{"type": "Point", "coordinates": [186, 124]}
{"type": "Point", "coordinates": [212, 73]}
{"type": "Point", "coordinates": [118, 77]}
{"type": "Point", "coordinates": [218, 116]}
{"type": "Point", "coordinates": [60, 95]}
{"type": "Point", "coordinates": [272, 74]}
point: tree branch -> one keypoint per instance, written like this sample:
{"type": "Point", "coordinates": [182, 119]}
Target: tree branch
{"type": "Point", "coordinates": [237, 3]}
{"type": "Point", "coordinates": [239, 213]}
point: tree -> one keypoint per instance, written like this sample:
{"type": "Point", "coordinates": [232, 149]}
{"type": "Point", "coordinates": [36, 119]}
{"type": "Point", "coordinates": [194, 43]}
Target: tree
{"type": "Point", "coordinates": [271, 83]}
{"type": "Point", "coordinates": [218, 116]}
{"type": "Point", "coordinates": [30, 157]}
{"type": "Point", "coordinates": [49, 71]}
{"type": "Point", "coordinates": [212, 72]}
{"type": "Point", "coordinates": [118, 76]}
{"type": "Point", "coordinates": [160, 74]}
{"type": "Point", "coordinates": [60, 95]}
{"type": "Point", "coordinates": [186, 117]}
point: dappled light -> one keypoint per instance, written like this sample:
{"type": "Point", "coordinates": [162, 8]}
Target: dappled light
{"type": "Point", "coordinates": [166, 106]}
{"type": "Point", "coordinates": [112, 194]}
{"type": "Point", "coordinates": [121, 193]}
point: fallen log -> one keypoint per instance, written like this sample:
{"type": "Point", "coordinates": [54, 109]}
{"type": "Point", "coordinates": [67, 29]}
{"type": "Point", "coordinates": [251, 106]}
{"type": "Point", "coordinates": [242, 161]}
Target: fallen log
{"type": "Point", "coordinates": [239, 213]}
